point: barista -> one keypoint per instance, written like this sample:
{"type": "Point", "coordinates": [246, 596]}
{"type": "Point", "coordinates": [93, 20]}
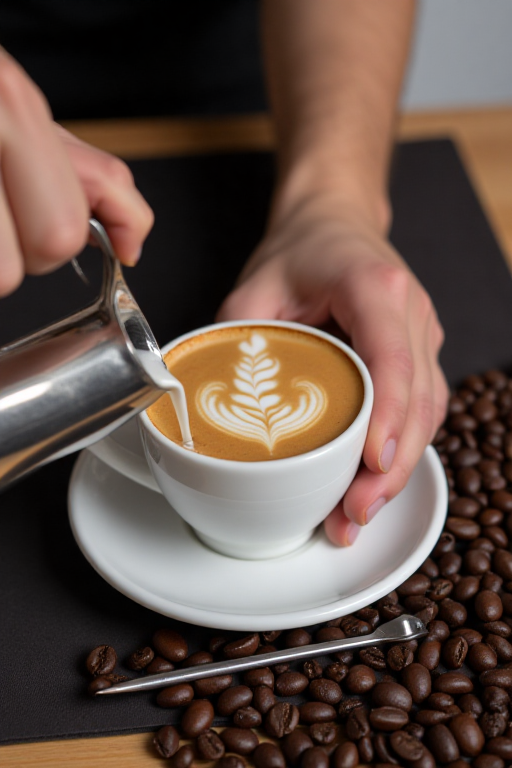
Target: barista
{"type": "Point", "coordinates": [333, 78]}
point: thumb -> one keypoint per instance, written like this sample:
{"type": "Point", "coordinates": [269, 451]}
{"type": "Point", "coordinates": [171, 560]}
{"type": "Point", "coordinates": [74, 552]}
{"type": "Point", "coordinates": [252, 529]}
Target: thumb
{"type": "Point", "coordinates": [262, 295]}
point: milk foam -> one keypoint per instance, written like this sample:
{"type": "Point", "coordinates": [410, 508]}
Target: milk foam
{"type": "Point", "coordinates": [254, 409]}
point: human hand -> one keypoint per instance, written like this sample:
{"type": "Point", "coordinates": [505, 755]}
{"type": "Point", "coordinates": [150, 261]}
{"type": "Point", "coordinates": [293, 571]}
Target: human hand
{"type": "Point", "coordinates": [321, 263]}
{"type": "Point", "coordinates": [50, 184]}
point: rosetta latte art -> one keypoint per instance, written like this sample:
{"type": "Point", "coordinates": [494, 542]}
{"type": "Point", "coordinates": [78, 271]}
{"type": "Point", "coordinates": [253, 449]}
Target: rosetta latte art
{"type": "Point", "coordinates": [255, 411]}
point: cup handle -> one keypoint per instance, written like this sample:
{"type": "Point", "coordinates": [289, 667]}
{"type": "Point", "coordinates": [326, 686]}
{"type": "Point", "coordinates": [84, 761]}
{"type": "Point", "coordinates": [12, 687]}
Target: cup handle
{"type": "Point", "coordinates": [125, 462]}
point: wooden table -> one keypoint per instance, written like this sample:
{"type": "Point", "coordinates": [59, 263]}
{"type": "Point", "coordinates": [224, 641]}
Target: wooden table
{"type": "Point", "coordinates": [484, 139]}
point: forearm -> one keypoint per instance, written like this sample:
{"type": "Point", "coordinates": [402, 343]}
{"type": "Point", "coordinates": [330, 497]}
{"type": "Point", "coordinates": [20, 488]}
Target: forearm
{"type": "Point", "coordinates": [334, 71]}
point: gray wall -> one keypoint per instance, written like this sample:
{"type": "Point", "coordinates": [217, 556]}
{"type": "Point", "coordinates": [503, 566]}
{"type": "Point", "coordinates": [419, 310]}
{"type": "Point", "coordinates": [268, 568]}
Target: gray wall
{"type": "Point", "coordinates": [462, 55]}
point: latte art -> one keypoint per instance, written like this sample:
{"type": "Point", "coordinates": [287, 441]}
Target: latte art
{"type": "Point", "coordinates": [259, 393]}
{"type": "Point", "coordinates": [253, 409]}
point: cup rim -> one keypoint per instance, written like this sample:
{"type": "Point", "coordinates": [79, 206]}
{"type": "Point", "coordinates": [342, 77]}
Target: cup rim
{"type": "Point", "coordinates": [345, 436]}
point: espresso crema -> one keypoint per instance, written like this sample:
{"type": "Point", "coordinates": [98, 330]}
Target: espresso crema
{"type": "Point", "coordinates": [256, 393]}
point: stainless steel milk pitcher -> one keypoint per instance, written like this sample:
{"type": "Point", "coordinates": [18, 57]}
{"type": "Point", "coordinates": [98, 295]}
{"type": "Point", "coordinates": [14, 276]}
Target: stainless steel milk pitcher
{"type": "Point", "coordinates": [73, 382]}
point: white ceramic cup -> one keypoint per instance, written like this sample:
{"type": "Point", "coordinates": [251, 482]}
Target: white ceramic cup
{"type": "Point", "coordinates": [259, 509]}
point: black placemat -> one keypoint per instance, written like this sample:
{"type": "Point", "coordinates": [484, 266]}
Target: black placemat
{"type": "Point", "coordinates": [210, 212]}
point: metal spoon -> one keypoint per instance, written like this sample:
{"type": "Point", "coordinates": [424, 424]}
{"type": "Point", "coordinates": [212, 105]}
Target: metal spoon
{"type": "Point", "coordinates": [402, 629]}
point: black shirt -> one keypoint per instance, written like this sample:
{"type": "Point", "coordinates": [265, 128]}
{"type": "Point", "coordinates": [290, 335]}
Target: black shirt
{"type": "Point", "coordinates": [121, 58]}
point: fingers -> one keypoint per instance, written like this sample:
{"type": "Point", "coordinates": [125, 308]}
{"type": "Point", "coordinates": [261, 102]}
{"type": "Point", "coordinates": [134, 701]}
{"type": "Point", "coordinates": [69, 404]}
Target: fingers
{"type": "Point", "coordinates": [339, 529]}
{"type": "Point", "coordinates": [50, 183]}
{"type": "Point", "coordinates": [112, 197]}
{"type": "Point", "coordinates": [40, 193]}
{"type": "Point", "coordinates": [424, 404]}
{"type": "Point", "coordinates": [262, 295]}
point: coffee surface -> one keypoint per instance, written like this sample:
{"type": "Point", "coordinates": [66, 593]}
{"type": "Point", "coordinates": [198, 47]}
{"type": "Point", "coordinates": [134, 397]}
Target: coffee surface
{"type": "Point", "coordinates": [256, 393]}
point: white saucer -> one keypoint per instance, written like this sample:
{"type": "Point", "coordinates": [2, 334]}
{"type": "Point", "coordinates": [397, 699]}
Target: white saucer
{"type": "Point", "coordinates": [136, 541]}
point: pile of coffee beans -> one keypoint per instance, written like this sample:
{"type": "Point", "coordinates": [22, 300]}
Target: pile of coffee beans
{"type": "Point", "coordinates": [444, 700]}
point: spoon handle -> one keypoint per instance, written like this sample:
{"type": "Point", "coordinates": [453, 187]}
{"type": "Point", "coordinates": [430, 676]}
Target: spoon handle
{"type": "Point", "coordinates": [402, 629]}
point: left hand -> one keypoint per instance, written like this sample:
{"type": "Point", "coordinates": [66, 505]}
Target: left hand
{"type": "Point", "coordinates": [320, 263]}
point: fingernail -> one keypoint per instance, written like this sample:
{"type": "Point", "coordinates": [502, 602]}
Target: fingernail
{"type": "Point", "coordinates": [134, 259]}
{"type": "Point", "coordinates": [352, 533]}
{"type": "Point", "coordinates": [373, 509]}
{"type": "Point", "coordinates": [387, 455]}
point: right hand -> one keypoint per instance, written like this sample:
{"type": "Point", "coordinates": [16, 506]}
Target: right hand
{"type": "Point", "coordinates": [51, 183]}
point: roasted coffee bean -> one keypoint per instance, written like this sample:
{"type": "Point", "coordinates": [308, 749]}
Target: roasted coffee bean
{"type": "Point", "coordinates": [280, 669]}
{"type": "Point", "coordinates": [439, 589]}
{"type": "Point", "coordinates": [282, 719]}
{"type": "Point", "coordinates": [502, 500]}
{"type": "Point", "coordinates": [230, 761]}
{"type": "Point", "coordinates": [345, 756]}
{"type": "Point", "coordinates": [468, 702]}
{"type": "Point", "coordinates": [471, 636]}
{"type": "Point", "coordinates": [500, 646]}
{"type": "Point", "coordinates": [323, 733]}
{"type": "Point", "coordinates": [388, 718]}
{"type": "Point", "coordinates": [209, 745]}
{"type": "Point", "coordinates": [357, 724]}
{"type": "Point", "coordinates": [406, 746]}
{"type": "Point", "coordinates": [183, 758]}
{"type": "Point", "coordinates": [268, 755]}
{"type": "Point", "coordinates": [175, 695]}
{"type": "Point", "coordinates": [496, 534]}
{"type": "Point", "coordinates": [170, 644]}
{"type": "Point", "coordinates": [429, 654]}
{"type": "Point", "coordinates": [382, 749]}
{"type": "Point", "coordinates": [314, 757]}
{"type": "Point", "coordinates": [429, 717]}
{"type": "Point", "coordinates": [448, 565]}
{"type": "Point", "coordinates": [453, 682]}
{"type": "Point", "coordinates": [297, 637]}
{"type": "Point", "coordinates": [365, 749]}
{"type": "Point", "coordinates": [336, 671]}
{"type": "Point", "coordinates": [499, 627]}
{"type": "Point", "coordinates": [197, 658]}
{"type": "Point", "coordinates": [159, 665]}
{"type": "Point", "coordinates": [316, 712]}
{"type": "Point", "coordinates": [216, 644]}
{"type": "Point", "coordinates": [99, 684]}
{"type": "Point", "coordinates": [488, 606]}
{"type": "Point", "coordinates": [291, 684]}
{"type": "Point", "coordinates": [466, 457]}
{"type": "Point", "coordinates": [491, 581]}
{"type": "Point", "coordinates": [468, 734]}
{"type": "Point", "coordinates": [502, 563]}
{"type": "Point", "coordinates": [488, 761]}
{"type": "Point", "coordinates": [390, 611]}
{"type": "Point", "coordinates": [326, 634]}
{"type": "Point", "coordinates": [438, 630]}
{"type": "Point", "coordinates": [354, 627]}
{"type": "Point", "coordinates": [270, 637]}
{"type": "Point", "coordinates": [496, 677]}
{"type": "Point", "coordinates": [476, 562]}
{"type": "Point", "coordinates": [242, 741]}
{"type": "Point", "coordinates": [464, 506]}
{"type": "Point", "coordinates": [398, 657]}
{"type": "Point", "coordinates": [454, 652]}
{"type": "Point", "coordinates": [324, 690]}
{"type": "Point", "coordinates": [360, 679]}
{"type": "Point", "coordinates": [416, 678]}
{"type": "Point", "coordinates": [391, 695]}
{"type": "Point", "coordinates": [346, 706]}
{"type": "Point", "coordinates": [452, 612]}
{"type": "Point", "coordinates": [247, 717]}
{"type": "Point", "coordinates": [495, 699]}
{"type": "Point", "coordinates": [166, 741]}
{"type": "Point", "coordinates": [370, 616]}
{"type": "Point", "coordinates": [417, 584]}
{"type": "Point", "coordinates": [198, 717]}
{"type": "Point", "coordinates": [481, 657]}
{"type": "Point", "coordinates": [244, 646]}
{"type": "Point", "coordinates": [101, 660]}
{"type": "Point", "coordinates": [440, 701]}
{"type": "Point", "coordinates": [441, 742]}
{"type": "Point", "coordinates": [492, 724]}
{"type": "Point", "coordinates": [211, 686]}
{"type": "Point", "coordinates": [140, 658]}
{"type": "Point", "coordinates": [500, 746]}
{"type": "Point", "coordinates": [233, 698]}
{"type": "Point", "coordinates": [373, 657]}
{"type": "Point", "coordinates": [466, 588]}
{"type": "Point", "coordinates": [294, 744]}
{"type": "Point", "coordinates": [312, 669]}
{"type": "Point", "coordinates": [263, 699]}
